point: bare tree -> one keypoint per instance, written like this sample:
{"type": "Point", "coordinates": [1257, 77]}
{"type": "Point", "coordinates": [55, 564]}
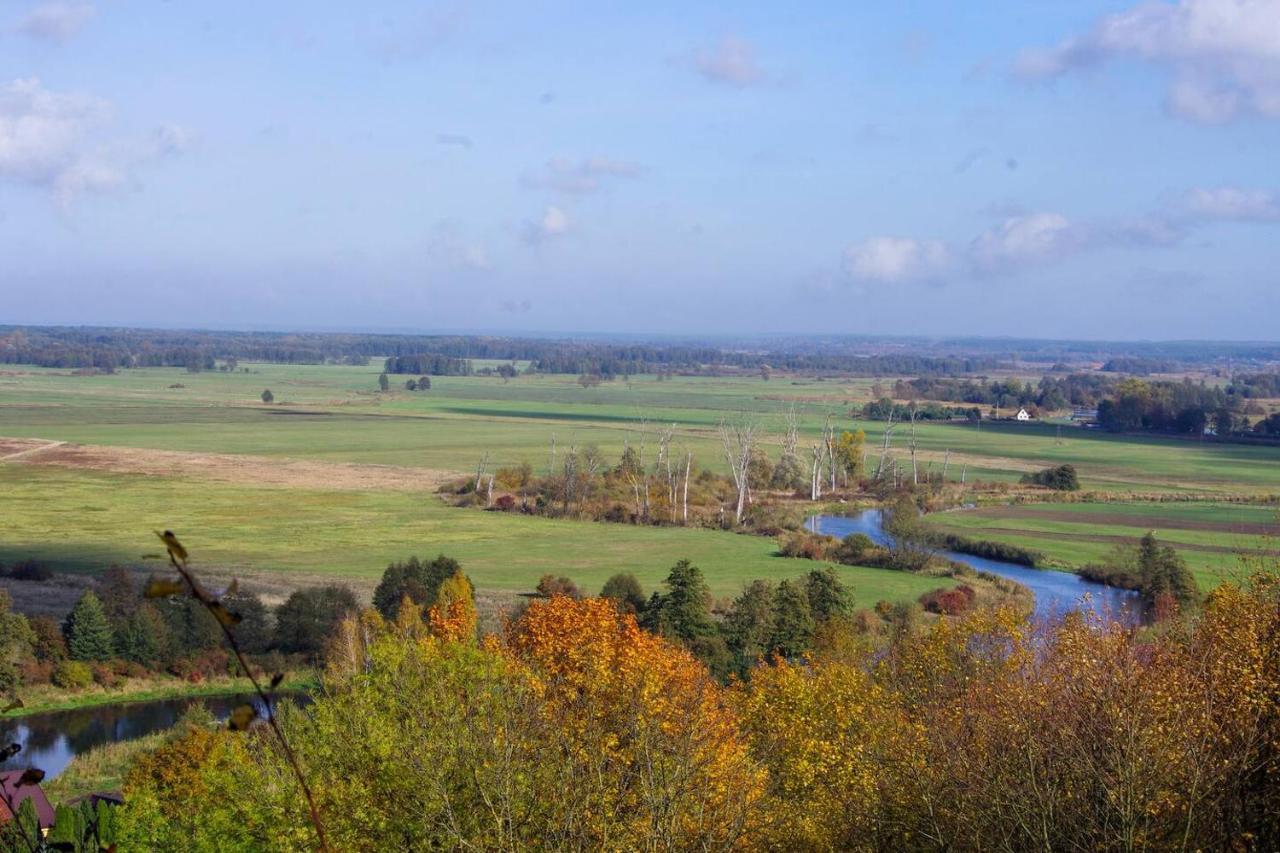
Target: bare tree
{"type": "Point", "coordinates": [688, 468]}
{"type": "Point", "coordinates": [915, 470]}
{"type": "Point", "coordinates": [884, 445]}
{"type": "Point", "coordinates": [480, 470]}
{"type": "Point", "coordinates": [637, 476]}
{"type": "Point", "coordinates": [665, 469]}
{"type": "Point", "coordinates": [946, 461]}
{"type": "Point", "coordinates": [829, 449]}
{"type": "Point", "coordinates": [815, 474]}
{"type": "Point", "coordinates": [569, 482]}
{"type": "Point", "coordinates": [737, 441]}
{"type": "Point", "coordinates": [791, 431]}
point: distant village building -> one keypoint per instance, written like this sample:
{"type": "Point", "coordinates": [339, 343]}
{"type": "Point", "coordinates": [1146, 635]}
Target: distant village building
{"type": "Point", "coordinates": [1023, 415]}
{"type": "Point", "coordinates": [1084, 415]}
{"type": "Point", "coordinates": [12, 796]}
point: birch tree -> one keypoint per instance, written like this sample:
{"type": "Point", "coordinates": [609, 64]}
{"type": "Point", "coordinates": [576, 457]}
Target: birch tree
{"type": "Point", "coordinates": [884, 444]}
{"type": "Point", "coordinates": [737, 441]}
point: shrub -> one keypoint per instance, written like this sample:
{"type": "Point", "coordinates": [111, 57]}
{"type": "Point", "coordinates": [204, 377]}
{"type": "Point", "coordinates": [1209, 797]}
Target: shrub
{"type": "Point", "coordinates": [105, 674]}
{"type": "Point", "coordinates": [769, 519]}
{"type": "Point", "coordinates": [625, 590]}
{"type": "Point", "coordinates": [805, 545]}
{"type": "Point", "coordinates": [853, 548]}
{"type": "Point", "coordinates": [309, 617]}
{"type": "Point", "coordinates": [949, 602]}
{"type": "Point", "coordinates": [48, 643]}
{"type": "Point", "coordinates": [417, 579]}
{"type": "Point", "coordinates": [1061, 478]}
{"type": "Point", "coordinates": [994, 550]}
{"type": "Point", "coordinates": [133, 670]}
{"type": "Point", "coordinates": [550, 585]}
{"type": "Point", "coordinates": [34, 672]}
{"type": "Point", "coordinates": [30, 570]}
{"type": "Point", "coordinates": [72, 675]}
{"type": "Point", "coordinates": [504, 503]}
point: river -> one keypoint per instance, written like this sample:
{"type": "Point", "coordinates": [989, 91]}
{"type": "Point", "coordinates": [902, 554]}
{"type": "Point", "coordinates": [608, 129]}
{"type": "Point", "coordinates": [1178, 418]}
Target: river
{"type": "Point", "coordinates": [1055, 592]}
{"type": "Point", "coordinates": [51, 739]}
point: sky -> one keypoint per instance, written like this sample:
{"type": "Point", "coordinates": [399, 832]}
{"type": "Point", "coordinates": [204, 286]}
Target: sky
{"type": "Point", "coordinates": [1062, 168]}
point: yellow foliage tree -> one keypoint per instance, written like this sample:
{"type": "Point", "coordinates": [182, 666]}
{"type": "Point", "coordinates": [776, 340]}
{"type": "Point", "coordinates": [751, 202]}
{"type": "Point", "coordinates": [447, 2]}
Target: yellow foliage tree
{"type": "Point", "coordinates": [453, 616]}
{"type": "Point", "coordinates": [646, 736]}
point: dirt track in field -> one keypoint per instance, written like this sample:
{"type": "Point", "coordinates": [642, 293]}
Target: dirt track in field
{"type": "Point", "coordinates": [1150, 522]}
{"type": "Point", "coordinates": [224, 467]}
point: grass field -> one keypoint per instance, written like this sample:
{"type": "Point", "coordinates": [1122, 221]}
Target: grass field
{"type": "Point", "coordinates": [253, 519]}
{"type": "Point", "coordinates": [85, 520]}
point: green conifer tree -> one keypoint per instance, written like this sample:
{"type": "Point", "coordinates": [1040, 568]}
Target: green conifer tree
{"type": "Point", "coordinates": [88, 633]}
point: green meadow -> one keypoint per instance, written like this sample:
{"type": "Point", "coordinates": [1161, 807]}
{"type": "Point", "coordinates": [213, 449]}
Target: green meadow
{"type": "Point", "coordinates": [88, 518]}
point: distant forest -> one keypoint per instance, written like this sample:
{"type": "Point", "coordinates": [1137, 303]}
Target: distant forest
{"type": "Point", "coordinates": [603, 356]}
{"type": "Point", "coordinates": [112, 349]}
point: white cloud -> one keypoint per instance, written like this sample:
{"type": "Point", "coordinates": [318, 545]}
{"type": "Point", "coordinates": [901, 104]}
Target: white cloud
{"type": "Point", "coordinates": [553, 223]}
{"type": "Point", "coordinates": [580, 177]}
{"type": "Point", "coordinates": [1020, 239]}
{"type": "Point", "coordinates": [1224, 54]}
{"type": "Point", "coordinates": [57, 141]}
{"type": "Point", "coordinates": [45, 136]}
{"type": "Point", "coordinates": [56, 21]}
{"type": "Point", "coordinates": [450, 246]}
{"type": "Point", "coordinates": [1234, 203]}
{"type": "Point", "coordinates": [731, 62]}
{"type": "Point", "coordinates": [897, 259]}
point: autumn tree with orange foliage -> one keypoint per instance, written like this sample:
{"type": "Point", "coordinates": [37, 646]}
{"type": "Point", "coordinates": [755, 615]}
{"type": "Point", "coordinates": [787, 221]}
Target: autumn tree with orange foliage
{"type": "Point", "coordinates": [644, 732]}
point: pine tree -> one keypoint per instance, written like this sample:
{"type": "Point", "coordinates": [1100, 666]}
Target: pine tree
{"type": "Point", "coordinates": [828, 597]}
{"type": "Point", "coordinates": [792, 620]}
{"type": "Point", "coordinates": [145, 636]}
{"type": "Point", "coordinates": [683, 612]}
{"type": "Point", "coordinates": [88, 633]}
{"type": "Point", "coordinates": [748, 626]}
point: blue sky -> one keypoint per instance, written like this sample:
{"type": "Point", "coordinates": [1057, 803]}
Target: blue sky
{"type": "Point", "coordinates": [1064, 169]}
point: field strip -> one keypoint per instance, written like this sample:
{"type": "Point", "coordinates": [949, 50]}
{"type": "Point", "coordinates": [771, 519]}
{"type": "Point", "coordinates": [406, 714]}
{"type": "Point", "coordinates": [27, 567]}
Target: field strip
{"type": "Point", "coordinates": [28, 445]}
{"type": "Point", "coordinates": [231, 468]}
{"type": "Point", "coordinates": [1102, 538]}
{"type": "Point", "coordinates": [1100, 516]}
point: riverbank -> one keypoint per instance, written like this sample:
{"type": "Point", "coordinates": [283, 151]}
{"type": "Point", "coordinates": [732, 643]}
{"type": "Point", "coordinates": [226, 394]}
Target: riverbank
{"type": "Point", "coordinates": [45, 698]}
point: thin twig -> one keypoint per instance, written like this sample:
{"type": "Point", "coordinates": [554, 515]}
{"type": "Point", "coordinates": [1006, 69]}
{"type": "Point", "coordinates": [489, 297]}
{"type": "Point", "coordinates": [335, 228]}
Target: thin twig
{"type": "Point", "coordinates": [218, 611]}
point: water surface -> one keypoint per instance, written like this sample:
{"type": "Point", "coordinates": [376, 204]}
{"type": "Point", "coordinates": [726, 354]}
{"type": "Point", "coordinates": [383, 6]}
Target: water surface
{"type": "Point", "coordinates": [1055, 592]}
{"type": "Point", "coordinates": [50, 740]}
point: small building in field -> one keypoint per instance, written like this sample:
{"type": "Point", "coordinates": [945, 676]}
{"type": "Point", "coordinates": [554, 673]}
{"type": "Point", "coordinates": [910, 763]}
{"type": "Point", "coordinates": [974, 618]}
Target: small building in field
{"type": "Point", "coordinates": [1023, 415]}
{"type": "Point", "coordinates": [12, 796]}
